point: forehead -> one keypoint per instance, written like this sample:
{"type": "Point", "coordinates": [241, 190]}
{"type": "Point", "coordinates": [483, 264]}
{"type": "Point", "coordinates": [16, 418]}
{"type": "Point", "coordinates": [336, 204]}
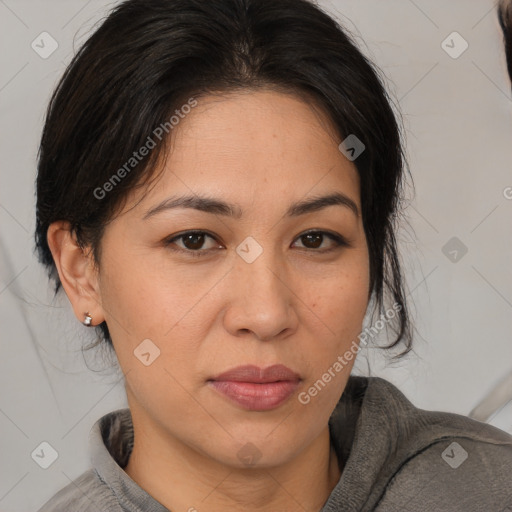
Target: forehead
{"type": "Point", "coordinates": [255, 146]}
{"type": "Point", "coordinates": [255, 122]}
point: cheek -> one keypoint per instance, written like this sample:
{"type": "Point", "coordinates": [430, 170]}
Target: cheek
{"type": "Point", "coordinates": [143, 298]}
{"type": "Point", "coordinates": [337, 316]}
{"type": "Point", "coordinates": [346, 308]}
{"type": "Point", "coordinates": [343, 299]}
{"type": "Point", "coordinates": [152, 309]}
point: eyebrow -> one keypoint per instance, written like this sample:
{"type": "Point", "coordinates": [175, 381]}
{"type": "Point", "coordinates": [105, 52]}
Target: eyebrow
{"type": "Point", "coordinates": [218, 207]}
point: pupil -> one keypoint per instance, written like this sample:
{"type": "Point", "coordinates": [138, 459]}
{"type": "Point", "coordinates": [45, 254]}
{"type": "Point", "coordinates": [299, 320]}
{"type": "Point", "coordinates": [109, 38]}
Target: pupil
{"type": "Point", "coordinates": [195, 236]}
{"type": "Point", "coordinates": [318, 237]}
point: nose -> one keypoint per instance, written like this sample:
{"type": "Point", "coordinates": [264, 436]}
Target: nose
{"type": "Point", "coordinates": [262, 300]}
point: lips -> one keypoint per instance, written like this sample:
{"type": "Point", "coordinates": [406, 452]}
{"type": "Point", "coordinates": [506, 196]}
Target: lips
{"type": "Point", "coordinates": [257, 389]}
{"type": "Point", "coordinates": [251, 373]}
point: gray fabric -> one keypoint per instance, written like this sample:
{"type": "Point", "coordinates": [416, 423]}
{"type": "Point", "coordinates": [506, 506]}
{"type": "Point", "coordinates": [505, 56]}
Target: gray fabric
{"type": "Point", "coordinates": [397, 458]}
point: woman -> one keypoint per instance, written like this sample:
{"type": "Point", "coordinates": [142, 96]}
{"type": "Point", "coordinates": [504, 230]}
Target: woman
{"type": "Point", "coordinates": [217, 193]}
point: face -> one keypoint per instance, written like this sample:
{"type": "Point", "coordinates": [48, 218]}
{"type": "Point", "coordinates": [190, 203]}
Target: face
{"type": "Point", "coordinates": [254, 285]}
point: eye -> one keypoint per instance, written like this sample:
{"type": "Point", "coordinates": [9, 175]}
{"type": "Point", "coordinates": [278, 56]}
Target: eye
{"type": "Point", "coordinates": [312, 240]}
{"type": "Point", "coordinates": [193, 242]}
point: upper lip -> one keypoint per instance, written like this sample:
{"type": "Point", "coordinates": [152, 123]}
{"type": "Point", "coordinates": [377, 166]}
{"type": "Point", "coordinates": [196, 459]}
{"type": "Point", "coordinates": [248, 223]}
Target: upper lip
{"type": "Point", "coordinates": [251, 373]}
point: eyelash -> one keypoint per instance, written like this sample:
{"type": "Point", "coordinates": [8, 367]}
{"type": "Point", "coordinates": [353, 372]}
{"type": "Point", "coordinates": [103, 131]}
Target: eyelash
{"type": "Point", "coordinates": [337, 239]}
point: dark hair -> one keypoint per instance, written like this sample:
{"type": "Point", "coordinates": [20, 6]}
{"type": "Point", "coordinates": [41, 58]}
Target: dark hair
{"type": "Point", "coordinates": [149, 57]}
{"type": "Point", "coordinates": [505, 20]}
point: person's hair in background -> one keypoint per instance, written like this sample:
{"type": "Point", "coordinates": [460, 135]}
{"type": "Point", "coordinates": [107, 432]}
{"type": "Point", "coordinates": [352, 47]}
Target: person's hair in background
{"type": "Point", "coordinates": [505, 20]}
{"type": "Point", "coordinates": [150, 57]}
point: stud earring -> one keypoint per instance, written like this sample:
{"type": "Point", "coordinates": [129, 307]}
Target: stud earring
{"type": "Point", "coordinates": [87, 319]}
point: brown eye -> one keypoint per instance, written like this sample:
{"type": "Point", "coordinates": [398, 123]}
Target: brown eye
{"type": "Point", "coordinates": [192, 243]}
{"type": "Point", "coordinates": [314, 239]}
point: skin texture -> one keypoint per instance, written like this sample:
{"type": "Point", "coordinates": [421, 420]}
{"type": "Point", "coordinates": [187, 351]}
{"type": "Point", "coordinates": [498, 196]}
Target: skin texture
{"type": "Point", "coordinates": [261, 150]}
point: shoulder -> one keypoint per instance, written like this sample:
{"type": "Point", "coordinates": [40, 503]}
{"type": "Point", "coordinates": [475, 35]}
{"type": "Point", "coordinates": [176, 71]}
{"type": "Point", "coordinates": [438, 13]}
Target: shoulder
{"type": "Point", "coordinates": [87, 493]}
{"type": "Point", "coordinates": [448, 462]}
{"type": "Point", "coordinates": [458, 473]}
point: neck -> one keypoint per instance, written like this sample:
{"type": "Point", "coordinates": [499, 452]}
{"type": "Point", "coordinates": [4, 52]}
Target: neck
{"type": "Point", "coordinates": [303, 483]}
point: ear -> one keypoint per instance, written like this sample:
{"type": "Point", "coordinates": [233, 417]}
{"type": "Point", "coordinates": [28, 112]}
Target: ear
{"type": "Point", "coordinates": [77, 273]}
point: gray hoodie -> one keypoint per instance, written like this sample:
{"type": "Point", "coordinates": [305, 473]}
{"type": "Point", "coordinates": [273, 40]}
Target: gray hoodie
{"type": "Point", "coordinates": [398, 458]}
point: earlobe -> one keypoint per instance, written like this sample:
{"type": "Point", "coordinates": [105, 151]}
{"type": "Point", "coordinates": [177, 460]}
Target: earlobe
{"type": "Point", "coordinates": [76, 271]}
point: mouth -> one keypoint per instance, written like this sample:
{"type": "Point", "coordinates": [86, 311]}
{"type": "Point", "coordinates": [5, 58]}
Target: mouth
{"type": "Point", "coordinates": [256, 389]}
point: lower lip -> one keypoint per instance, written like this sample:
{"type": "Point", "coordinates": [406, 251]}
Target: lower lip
{"type": "Point", "coordinates": [254, 396]}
